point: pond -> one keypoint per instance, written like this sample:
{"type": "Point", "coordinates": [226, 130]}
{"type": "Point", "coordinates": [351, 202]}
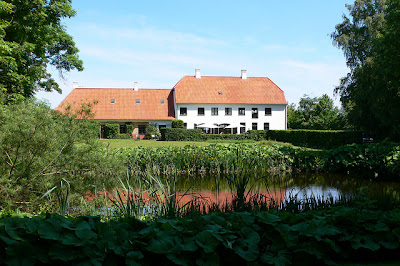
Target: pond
{"type": "Point", "coordinates": [279, 189]}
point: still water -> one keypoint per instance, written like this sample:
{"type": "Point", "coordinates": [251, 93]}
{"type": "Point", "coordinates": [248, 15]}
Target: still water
{"type": "Point", "coordinates": [220, 189]}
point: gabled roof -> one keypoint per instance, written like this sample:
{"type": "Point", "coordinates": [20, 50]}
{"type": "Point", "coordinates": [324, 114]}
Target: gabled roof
{"type": "Point", "coordinates": [208, 89]}
{"type": "Point", "coordinates": [124, 106]}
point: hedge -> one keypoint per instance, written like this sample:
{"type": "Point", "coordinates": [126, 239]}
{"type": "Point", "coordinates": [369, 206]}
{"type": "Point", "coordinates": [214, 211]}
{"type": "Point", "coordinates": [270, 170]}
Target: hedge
{"type": "Point", "coordinates": [336, 235]}
{"type": "Point", "coordinates": [179, 134]}
{"type": "Point", "coordinates": [224, 136]}
{"type": "Point", "coordinates": [176, 123]}
{"type": "Point", "coordinates": [310, 138]}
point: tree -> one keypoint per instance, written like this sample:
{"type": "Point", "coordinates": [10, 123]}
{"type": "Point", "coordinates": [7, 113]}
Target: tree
{"type": "Point", "coordinates": [315, 113]}
{"type": "Point", "coordinates": [32, 38]}
{"type": "Point", "coordinates": [370, 42]}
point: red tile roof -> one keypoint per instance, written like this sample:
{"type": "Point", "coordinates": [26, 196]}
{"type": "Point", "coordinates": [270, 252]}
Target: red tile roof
{"type": "Point", "coordinates": [233, 90]}
{"type": "Point", "coordinates": [125, 106]}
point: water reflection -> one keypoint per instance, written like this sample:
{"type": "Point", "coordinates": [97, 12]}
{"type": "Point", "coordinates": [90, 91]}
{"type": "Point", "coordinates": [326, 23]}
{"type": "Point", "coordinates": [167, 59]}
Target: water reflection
{"type": "Point", "coordinates": [280, 188]}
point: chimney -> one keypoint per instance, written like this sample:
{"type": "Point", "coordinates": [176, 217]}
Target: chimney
{"type": "Point", "coordinates": [75, 85]}
{"type": "Point", "coordinates": [197, 73]}
{"type": "Point", "coordinates": [135, 86]}
{"type": "Point", "coordinates": [244, 74]}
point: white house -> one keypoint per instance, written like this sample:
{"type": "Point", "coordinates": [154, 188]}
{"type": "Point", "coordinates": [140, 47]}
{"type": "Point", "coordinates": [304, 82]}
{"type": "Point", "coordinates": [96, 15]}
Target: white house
{"type": "Point", "coordinates": [240, 103]}
{"type": "Point", "coordinates": [209, 102]}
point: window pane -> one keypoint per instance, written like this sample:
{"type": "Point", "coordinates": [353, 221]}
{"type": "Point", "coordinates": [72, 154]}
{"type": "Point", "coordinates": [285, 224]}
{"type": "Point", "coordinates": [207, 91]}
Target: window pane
{"type": "Point", "coordinates": [242, 111]}
{"type": "Point", "coordinates": [183, 111]}
{"type": "Point", "coordinates": [254, 112]}
{"type": "Point", "coordinates": [200, 111]}
{"type": "Point", "coordinates": [254, 126]}
{"type": "Point", "coordinates": [122, 129]}
{"type": "Point", "coordinates": [268, 111]}
{"type": "Point", "coordinates": [228, 111]}
{"type": "Point", "coordinates": [266, 126]}
{"type": "Point", "coordinates": [142, 129]}
{"type": "Point", "coordinates": [214, 111]}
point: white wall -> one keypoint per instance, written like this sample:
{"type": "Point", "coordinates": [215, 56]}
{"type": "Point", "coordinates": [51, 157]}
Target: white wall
{"type": "Point", "coordinates": [277, 119]}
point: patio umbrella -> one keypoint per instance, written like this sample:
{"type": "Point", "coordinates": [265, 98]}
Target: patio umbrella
{"type": "Point", "coordinates": [223, 125]}
{"type": "Point", "coordinates": [206, 125]}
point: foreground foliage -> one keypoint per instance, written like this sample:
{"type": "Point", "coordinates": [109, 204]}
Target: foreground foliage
{"type": "Point", "coordinates": [278, 238]}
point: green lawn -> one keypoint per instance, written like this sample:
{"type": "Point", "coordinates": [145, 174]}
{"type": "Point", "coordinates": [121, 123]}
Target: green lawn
{"type": "Point", "coordinates": [128, 143]}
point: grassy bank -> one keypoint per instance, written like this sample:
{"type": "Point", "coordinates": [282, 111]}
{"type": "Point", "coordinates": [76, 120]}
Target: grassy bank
{"type": "Point", "coordinates": [372, 160]}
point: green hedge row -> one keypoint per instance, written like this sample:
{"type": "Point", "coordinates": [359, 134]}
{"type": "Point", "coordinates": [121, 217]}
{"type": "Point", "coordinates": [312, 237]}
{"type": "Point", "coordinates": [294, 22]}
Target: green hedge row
{"type": "Point", "coordinates": [336, 235]}
{"type": "Point", "coordinates": [179, 134]}
{"type": "Point", "coordinates": [306, 138]}
{"type": "Point", "coordinates": [223, 136]}
{"type": "Point", "coordinates": [309, 138]}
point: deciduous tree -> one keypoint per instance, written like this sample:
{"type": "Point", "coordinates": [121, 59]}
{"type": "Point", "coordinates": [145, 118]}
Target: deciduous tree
{"type": "Point", "coordinates": [32, 38]}
{"type": "Point", "coordinates": [370, 40]}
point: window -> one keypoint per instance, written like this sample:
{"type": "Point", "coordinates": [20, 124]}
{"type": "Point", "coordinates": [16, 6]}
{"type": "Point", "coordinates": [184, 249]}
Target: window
{"type": "Point", "coordinates": [254, 112]}
{"type": "Point", "coordinates": [137, 101]}
{"type": "Point", "coordinates": [185, 125]}
{"type": "Point", "coordinates": [228, 111]}
{"type": "Point", "coordinates": [161, 126]}
{"type": "Point", "coordinates": [254, 126]}
{"type": "Point", "coordinates": [112, 100]}
{"type": "Point", "coordinates": [142, 129]}
{"type": "Point", "coordinates": [266, 126]}
{"type": "Point", "coordinates": [183, 111]}
{"type": "Point", "coordinates": [214, 111]}
{"type": "Point", "coordinates": [122, 129]}
{"type": "Point", "coordinates": [200, 111]}
{"type": "Point", "coordinates": [242, 128]}
{"type": "Point", "coordinates": [162, 101]}
{"type": "Point", "coordinates": [242, 111]}
{"type": "Point", "coordinates": [268, 111]}
{"type": "Point", "coordinates": [195, 126]}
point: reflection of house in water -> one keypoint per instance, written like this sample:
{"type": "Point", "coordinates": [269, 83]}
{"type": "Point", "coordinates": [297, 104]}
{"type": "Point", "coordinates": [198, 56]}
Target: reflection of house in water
{"type": "Point", "coordinates": [226, 196]}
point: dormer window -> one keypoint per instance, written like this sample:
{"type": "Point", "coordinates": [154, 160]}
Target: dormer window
{"type": "Point", "coordinates": [112, 100]}
{"type": "Point", "coordinates": [162, 101]}
{"type": "Point", "coordinates": [137, 101]}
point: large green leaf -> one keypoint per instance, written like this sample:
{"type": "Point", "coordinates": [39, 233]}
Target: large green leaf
{"type": "Point", "coordinates": [207, 241]}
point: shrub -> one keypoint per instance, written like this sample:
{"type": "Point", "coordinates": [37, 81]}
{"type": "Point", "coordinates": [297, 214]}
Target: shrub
{"type": "Point", "coordinates": [177, 134]}
{"type": "Point", "coordinates": [177, 124]}
{"type": "Point", "coordinates": [129, 128]}
{"type": "Point", "coordinates": [152, 132]}
{"type": "Point", "coordinates": [310, 138]}
{"type": "Point", "coordinates": [224, 137]}
{"type": "Point", "coordinates": [111, 130]}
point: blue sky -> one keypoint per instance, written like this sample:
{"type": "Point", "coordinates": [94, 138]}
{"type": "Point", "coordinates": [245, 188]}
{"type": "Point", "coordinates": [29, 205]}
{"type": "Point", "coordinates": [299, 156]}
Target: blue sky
{"type": "Point", "coordinates": [158, 42]}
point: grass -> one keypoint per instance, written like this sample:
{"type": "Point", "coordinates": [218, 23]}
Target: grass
{"type": "Point", "coordinates": [130, 143]}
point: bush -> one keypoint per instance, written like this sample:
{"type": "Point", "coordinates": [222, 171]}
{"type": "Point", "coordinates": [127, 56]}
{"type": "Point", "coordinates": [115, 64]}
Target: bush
{"type": "Point", "coordinates": [111, 130]}
{"type": "Point", "coordinates": [323, 237]}
{"type": "Point", "coordinates": [224, 137]}
{"type": "Point", "coordinates": [178, 134]}
{"type": "Point", "coordinates": [129, 128]}
{"type": "Point", "coordinates": [39, 147]}
{"type": "Point", "coordinates": [152, 132]}
{"type": "Point", "coordinates": [310, 138]}
{"type": "Point", "coordinates": [123, 136]}
{"type": "Point", "coordinates": [178, 124]}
